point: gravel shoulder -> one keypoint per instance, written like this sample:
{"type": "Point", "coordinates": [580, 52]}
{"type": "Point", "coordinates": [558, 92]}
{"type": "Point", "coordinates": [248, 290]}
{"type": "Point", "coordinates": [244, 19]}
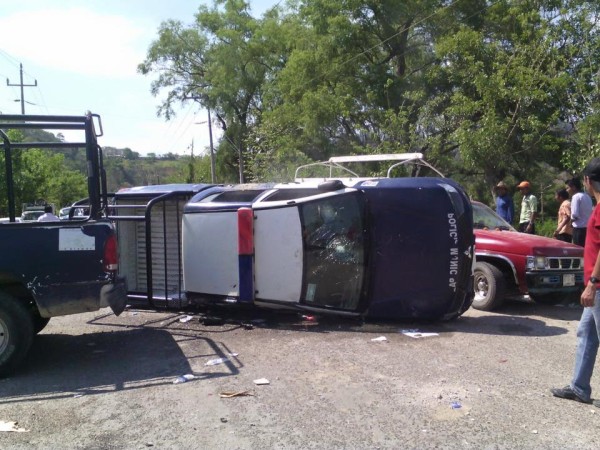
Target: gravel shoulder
{"type": "Point", "coordinates": [96, 381]}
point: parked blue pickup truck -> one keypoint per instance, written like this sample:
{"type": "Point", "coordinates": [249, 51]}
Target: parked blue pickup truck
{"type": "Point", "coordinates": [51, 269]}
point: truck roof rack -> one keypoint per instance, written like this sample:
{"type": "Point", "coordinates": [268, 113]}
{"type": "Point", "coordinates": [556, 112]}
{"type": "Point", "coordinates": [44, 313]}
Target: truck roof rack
{"type": "Point", "coordinates": [337, 163]}
{"type": "Point", "coordinates": [91, 127]}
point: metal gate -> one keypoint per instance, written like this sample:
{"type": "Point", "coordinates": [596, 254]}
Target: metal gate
{"type": "Point", "coordinates": [148, 222]}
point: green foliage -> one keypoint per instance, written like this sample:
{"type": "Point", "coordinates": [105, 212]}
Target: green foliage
{"type": "Point", "coordinates": [545, 227]}
{"type": "Point", "coordinates": [41, 174]}
{"type": "Point", "coordinates": [276, 166]}
{"type": "Point", "coordinates": [487, 90]}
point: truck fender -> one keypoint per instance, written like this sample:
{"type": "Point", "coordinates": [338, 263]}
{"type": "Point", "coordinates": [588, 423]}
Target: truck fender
{"type": "Point", "coordinates": [491, 257]}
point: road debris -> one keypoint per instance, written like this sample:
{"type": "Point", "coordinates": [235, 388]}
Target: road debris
{"type": "Point", "coordinates": [416, 334]}
{"type": "Point", "coordinates": [185, 319]}
{"type": "Point", "coordinates": [261, 381]}
{"type": "Point", "coordinates": [236, 394]}
{"type": "Point", "coordinates": [184, 378]}
{"type": "Point", "coordinates": [11, 426]}
{"type": "Point", "coordinates": [379, 339]}
{"type": "Point", "coordinates": [216, 361]}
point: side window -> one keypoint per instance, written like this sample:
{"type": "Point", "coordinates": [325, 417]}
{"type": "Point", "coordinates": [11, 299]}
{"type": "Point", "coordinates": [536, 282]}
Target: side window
{"type": "Point", "coordinates": [333, 236]}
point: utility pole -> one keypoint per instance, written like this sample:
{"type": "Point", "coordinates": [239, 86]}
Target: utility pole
{"type": "Point", "coordinates": [22, 85]}
{"type": "Point", "coordinates": [213, 177]}
{"type": "Point", "coordinates": [213, 170]}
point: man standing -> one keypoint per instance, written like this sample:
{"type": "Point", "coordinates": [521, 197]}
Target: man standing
{"type": "Point", "coordinates": [581, 210]}
{"type": "Point", "coordinates": [588, 331]}
{"type": "Point", "coordinates": [505, 206]}
{"type": "Point", "coordinates": [528, 208]}
{"type": "Point", "coordinates": [48, 215]}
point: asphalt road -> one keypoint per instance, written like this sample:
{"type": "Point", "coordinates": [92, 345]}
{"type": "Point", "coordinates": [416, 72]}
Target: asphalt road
{"type": "Point", "coordinates": [96, 381]}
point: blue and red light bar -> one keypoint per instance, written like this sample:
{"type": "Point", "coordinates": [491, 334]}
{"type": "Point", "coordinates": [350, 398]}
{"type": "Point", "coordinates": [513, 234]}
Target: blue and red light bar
{"type": "Point", "coordinates": [246, 253]}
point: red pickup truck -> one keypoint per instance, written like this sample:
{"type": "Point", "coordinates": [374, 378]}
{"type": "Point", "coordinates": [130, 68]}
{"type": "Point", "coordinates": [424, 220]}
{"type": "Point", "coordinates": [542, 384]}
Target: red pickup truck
{"type": "Point", "coordinates": [512, 263]}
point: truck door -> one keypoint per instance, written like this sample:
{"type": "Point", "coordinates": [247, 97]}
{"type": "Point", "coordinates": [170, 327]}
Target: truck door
{"type": "Point", "coordinates": [311, 251]}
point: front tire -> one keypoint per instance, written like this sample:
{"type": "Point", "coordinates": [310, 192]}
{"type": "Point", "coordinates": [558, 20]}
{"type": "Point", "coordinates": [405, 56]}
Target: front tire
{"type": "Point", "coordinates": [16, 333]}
{"type": "Point", "coordinates": [489, 285]}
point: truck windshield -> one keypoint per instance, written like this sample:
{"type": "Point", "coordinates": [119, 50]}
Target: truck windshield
{"type": "Point", "coordinates": [486, 219]}
{"type": "Point", "coordinates": [334, 247]}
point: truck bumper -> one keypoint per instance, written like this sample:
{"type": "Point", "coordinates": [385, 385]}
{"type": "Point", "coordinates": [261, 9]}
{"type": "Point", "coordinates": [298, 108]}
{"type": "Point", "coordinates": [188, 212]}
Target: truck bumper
{"type": "Point", "coordinates": [553, 281]}
{"type": "Point", "coordinates": [63, 299]}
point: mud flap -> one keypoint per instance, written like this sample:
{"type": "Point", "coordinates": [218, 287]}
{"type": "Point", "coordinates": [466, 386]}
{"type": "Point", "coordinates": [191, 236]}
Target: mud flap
{"type": "Point", "coordinates": [115, 295]}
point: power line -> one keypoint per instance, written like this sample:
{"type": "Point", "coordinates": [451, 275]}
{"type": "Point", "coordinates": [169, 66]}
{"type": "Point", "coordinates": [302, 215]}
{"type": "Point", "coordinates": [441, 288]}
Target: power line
{"type": "Point", "coordinates": [12, 60]}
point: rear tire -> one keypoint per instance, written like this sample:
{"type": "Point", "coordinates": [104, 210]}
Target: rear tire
{"type": "Point", "coordinates": [16, 333]}
{"type": "Point", "coordinates": [489, 285]}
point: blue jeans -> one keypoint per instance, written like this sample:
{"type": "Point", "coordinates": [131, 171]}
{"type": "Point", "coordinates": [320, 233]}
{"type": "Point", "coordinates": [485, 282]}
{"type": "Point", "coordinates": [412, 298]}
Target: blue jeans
{"type": "Point", "coordinates": [588, 333]}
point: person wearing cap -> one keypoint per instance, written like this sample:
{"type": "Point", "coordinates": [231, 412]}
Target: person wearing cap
{"type": "Point", "coordinates": [581, 210]}
{"type": "Point", "coordinates": [564, 230]}
{"type": "Point", "coordinates": [528, 208]}
{"type": "Point", "coordinates": [505, 206]}
{"type": "Point", "coordinates": [588, 331]}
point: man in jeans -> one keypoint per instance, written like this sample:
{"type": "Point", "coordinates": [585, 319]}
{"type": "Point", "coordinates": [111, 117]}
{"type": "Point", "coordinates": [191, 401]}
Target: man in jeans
{"type": "Point", "coordinates": [581, 210]}
{"type": "Point", "coordinates": [588, 331]}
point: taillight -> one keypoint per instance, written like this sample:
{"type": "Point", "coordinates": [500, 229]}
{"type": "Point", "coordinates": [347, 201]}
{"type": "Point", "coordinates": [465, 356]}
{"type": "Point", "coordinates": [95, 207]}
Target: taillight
{"type": "Point", "coordinates": [111, 254]}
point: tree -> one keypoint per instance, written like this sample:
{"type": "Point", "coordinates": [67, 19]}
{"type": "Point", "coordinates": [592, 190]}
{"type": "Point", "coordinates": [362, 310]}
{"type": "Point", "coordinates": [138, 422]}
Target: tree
{"type": "Point", "coordinates": [130, 154]}
{"type": "Point", "coordinates": [580, 118]}
{"type": "Point", "coordinates": [486, 89]}
{"type": "Point", "coordinates": [41, 174]}
{"type": "Point", "coordinates": [221, 61]}
{"type": "Point", "coordinates": [354, 79]}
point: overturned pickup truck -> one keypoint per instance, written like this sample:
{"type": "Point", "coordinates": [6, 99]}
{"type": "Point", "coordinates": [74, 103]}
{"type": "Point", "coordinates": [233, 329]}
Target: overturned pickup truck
{"type": "Point", "coordinates": [56, 268]}
{"type": "Point", "coordinates": [380, 248]}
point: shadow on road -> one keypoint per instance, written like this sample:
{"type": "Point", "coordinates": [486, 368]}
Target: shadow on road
{"type": "Point", "coordinates": [510, 321]}
{"type": "Point", "coordinates": [60, 365]}
{"type": "Point", "coordinates": [520, 307]}
{"type": "Point", "coordinates": [502, 325]}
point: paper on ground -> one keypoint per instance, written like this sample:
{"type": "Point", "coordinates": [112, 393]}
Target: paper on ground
{"type": "Point", "coordinates": [417, 334]}
{"type": "Point", "coordinates": [11, 426]}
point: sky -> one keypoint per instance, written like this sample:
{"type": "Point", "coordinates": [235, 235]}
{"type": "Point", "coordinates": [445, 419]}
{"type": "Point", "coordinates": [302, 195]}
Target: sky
{"type": "Point", "coordinates": [83, 55]}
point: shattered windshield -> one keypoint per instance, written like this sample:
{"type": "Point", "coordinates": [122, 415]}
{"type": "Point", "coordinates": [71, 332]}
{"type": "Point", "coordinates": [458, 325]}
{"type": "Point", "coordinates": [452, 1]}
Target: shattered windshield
{"type": "Point", "coordinates": [486, 219]}
{"type": "Point", "coordinates": [333, 234]}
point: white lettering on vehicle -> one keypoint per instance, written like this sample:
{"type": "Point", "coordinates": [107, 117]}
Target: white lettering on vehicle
{"type": "Point", "coordinates": [453, 232]}
{"type": "Point", "coordinates": [453, 268]}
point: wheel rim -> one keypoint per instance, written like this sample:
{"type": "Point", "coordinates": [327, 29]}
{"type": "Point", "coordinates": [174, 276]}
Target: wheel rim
{"type": "Point", "coordinates": [4, 337]}
{"type": "Point", "coordinates": [482, 287]}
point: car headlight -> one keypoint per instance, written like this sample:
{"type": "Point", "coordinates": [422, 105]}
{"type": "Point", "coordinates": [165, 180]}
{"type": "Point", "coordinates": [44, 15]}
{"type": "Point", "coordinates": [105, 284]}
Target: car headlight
{"type": "Point", "coordinates": [536, 263]}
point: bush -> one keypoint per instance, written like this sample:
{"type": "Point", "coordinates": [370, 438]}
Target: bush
{"type": "Point", "coordinates": [545, 227]}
